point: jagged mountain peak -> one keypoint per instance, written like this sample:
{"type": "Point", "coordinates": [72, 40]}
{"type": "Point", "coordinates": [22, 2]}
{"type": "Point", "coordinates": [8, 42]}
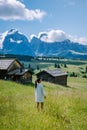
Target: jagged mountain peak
{"type": "Point", "coordinates": [15, 42]}
{"type": "Point", "coordinates": [12, 31]}
{"type": "Point", "coordinates": [14, 36]}
{"type": "Point", "coordinates": [42, 35]}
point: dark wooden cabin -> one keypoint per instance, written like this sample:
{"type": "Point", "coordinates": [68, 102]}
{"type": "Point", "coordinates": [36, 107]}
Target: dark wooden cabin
{"type": "Point", "coordinates": [54, 76]}
{"type": "Point", "coordinates": [12, 69]}
{"type": "Point", "coordinates": [21, 75]}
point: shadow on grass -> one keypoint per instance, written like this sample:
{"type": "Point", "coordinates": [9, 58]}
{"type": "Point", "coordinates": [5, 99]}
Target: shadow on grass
{"type": "Point", "coordinates": [68, 86]}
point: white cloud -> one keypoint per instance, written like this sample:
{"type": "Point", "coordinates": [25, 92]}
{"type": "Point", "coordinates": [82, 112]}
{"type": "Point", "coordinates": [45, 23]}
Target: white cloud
{"type": "Point", "coordinates": [70, 3]}
{"type": "Point", "coordinates": [15, 10]}
{"type": "Point", "coordinates": [59, 36]}
{"type": "Point", "coordinates": [81, 40]}
{"type": "Point", "coordinates": [52, 36]}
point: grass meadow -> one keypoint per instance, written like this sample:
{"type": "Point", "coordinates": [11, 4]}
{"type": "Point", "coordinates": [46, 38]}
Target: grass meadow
{"type": "Point", "coordinates": [73, 67]}
{"type": "Point", "coordinates": [65, 108]}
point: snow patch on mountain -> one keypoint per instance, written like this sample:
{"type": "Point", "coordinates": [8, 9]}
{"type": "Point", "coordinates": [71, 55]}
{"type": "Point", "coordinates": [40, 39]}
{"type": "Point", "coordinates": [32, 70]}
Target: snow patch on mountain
{"type": "Point", "coordinates": [12, 31]}
{"type": "Point", "coordinates": [17, 41]}
{"type": "Point", "coordinates": [77, 53]}
{"type": "Point", "coordinates": [2, 38]}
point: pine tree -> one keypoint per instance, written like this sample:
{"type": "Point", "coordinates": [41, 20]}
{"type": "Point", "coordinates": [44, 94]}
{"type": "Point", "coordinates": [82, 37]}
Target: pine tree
{"type": "Point", "coordinates": [58, 66]}
{"type": "Point", "coordinates": [29, 66]}
{"type": "Point", "coordinates": [55, 65]}
{"type": "Point", "coordinates": [65, 65]}
{"type": "Point", "coordinates": [86, 69]}
{"type": "Point", "coordinates": [38, 67]}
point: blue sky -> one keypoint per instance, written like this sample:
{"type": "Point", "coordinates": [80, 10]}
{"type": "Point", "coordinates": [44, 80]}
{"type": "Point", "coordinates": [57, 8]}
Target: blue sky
{"type": "Point", "coordinates": [36, 16]}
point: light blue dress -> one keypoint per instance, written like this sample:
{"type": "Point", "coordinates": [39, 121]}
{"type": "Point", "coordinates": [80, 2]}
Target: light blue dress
{"type": "Point", "coordinates": [39, 93]}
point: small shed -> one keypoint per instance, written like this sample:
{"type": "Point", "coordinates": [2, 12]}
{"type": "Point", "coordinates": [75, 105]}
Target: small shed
{"type": "Point", "coordinates": [12, 69]}
{"type": "Point", "coordinates": [21, 75]}
{"type": "Point", "coordinates": [56, 76]}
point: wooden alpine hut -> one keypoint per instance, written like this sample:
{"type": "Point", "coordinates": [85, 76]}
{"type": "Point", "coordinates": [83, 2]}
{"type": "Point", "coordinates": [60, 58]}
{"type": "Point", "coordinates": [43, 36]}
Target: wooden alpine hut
{"type": "Point", "coordinates": [56, 76]}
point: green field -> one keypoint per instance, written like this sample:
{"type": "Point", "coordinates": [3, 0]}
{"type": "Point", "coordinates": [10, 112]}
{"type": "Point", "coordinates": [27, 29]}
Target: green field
{"type": "Point", "coordinates": [65, 107]}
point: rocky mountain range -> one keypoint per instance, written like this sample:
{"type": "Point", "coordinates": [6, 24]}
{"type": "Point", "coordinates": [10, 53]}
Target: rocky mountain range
{"type": "Point", "coordinates": [14, 42]}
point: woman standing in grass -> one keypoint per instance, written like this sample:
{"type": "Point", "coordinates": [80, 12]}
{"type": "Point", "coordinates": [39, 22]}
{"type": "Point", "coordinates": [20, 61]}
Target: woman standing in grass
{"type": "Point", "coordinates": [39, 94]}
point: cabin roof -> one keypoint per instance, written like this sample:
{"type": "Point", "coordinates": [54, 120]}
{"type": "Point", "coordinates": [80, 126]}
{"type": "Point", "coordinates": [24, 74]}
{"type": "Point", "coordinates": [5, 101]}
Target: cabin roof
{"type": "Point", "coordinates": [19, 72]}
{"type": "Point", "coordinates": [5, 63]}
{"type": "Point", "coordinates": [54, 73]}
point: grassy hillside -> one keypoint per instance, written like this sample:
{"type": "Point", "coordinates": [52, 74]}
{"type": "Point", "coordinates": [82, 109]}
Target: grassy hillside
{"type": "Point", "coordinates": [74, 68]}
{"type": "Point", "coordinates": [65, 107]}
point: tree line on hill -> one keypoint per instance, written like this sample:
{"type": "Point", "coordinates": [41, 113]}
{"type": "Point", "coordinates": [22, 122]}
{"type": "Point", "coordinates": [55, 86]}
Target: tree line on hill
{"type": "Point", "coordinates": [19, 57]}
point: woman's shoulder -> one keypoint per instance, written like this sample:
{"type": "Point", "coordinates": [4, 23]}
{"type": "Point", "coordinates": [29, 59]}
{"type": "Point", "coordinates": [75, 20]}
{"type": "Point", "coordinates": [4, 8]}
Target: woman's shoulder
{"type": "Point", "coordinates": [40, 84]}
